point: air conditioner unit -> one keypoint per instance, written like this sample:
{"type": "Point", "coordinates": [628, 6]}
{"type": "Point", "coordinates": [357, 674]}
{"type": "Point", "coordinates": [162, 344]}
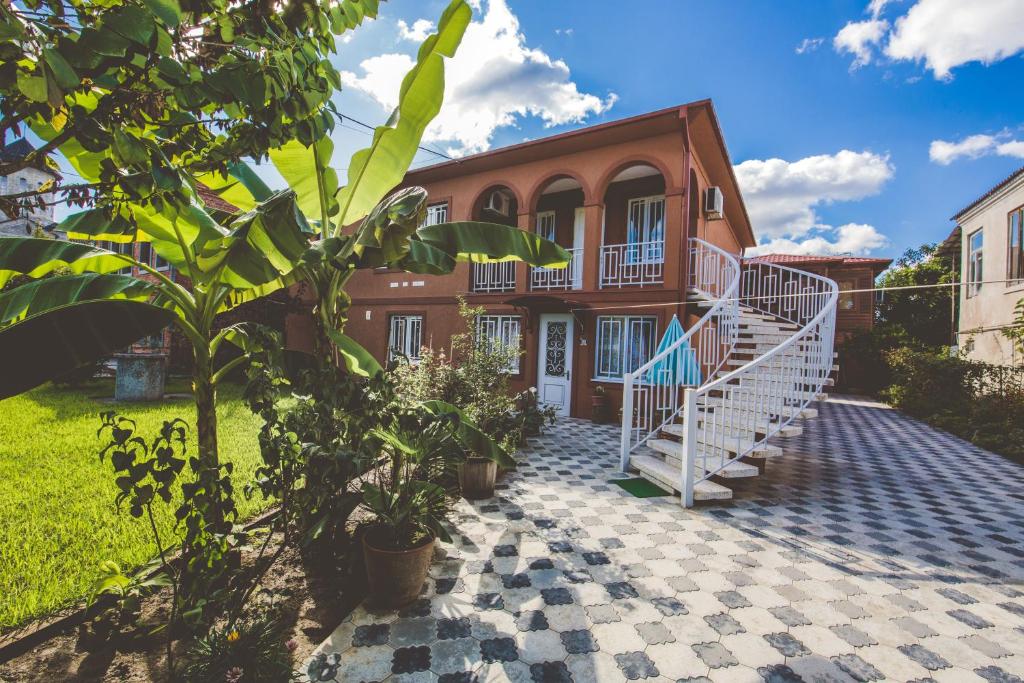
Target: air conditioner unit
{"type": "Point", "coordinates": [713, 203]}
{"type": "Point", "coordinates": [499, 203]}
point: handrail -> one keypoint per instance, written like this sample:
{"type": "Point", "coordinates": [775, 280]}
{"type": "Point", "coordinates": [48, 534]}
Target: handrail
{"type": "Point", "coordinates": [763, 396]}
{"type": "Point", "coordinates": [716, 273]}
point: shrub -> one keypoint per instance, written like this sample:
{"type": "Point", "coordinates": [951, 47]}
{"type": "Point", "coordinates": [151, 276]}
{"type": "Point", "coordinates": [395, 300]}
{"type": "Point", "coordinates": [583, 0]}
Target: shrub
{"type": "Point", "coordinates": [475, 378]}
{"type": "Point", "coordinates": [252, 650]}
{"type": "Point", "coordinates": [980, 402]}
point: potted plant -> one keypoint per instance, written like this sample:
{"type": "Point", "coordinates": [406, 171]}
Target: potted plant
{"type": "Point", "coordinates": [599, 405]}
{"type": "Point", "coordinates": [409, 503]}
{"type": "Point", "coordinates": [477, 476]}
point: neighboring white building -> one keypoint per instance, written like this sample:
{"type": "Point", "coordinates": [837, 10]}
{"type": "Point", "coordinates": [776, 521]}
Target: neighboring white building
{"type": "Point", "coordinates": [27, 179]}
{"type": "Point", "coordinates": [992, 270]}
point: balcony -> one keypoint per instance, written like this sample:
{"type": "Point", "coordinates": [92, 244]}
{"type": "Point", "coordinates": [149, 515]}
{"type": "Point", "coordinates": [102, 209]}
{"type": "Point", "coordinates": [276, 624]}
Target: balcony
{"type": "Point", "coordinates": [554, 279]}
{"type": "Point", "coordinates": [490, 278]}
{"type": "Point", "coordinates": [635, 264]}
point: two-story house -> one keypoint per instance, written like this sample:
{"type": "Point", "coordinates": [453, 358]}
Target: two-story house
{"type": "Point", "coordinates": [623, 197]}
{"type": "Point", "coordinates": [991, 232]}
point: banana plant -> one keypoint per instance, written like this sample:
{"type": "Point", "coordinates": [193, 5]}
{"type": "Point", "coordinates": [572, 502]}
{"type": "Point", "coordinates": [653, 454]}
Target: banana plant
{"type": "Point", "coordinates": [359, 228]}
{"type": "Point", "coordinates": [49, 326]}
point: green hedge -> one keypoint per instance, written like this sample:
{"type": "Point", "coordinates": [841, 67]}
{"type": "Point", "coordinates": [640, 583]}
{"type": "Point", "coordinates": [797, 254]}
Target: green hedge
{"type": "Point", "coordinates": [980, 402]}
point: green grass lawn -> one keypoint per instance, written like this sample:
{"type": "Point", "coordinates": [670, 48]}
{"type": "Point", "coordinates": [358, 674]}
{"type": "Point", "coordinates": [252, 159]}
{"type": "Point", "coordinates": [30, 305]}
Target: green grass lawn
{"type": "Point", "coordinates": [58, 520]}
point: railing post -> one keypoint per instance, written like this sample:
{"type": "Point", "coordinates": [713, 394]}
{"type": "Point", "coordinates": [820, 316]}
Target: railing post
{"type": "Point", "coordinates": [689, 446]}
{"type": "Point", "coordinates": [627, 421]}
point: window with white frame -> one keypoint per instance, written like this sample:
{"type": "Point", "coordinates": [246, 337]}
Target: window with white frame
{"type": "Point", "coordinates": [405, 336]}
{"type": "Point", "coordinates": [975, 273]}
{"type": "Point", "coordinates": [503, 331]}
{"type": "Point", "coordinates": [645, 232]}
{"type": "Point", "coordinates": [624, 343]}
{"type": "Point", "coordinates": [436, 213]}
{"type": "Point", "coordinates": [1014, 253]}
{"type": "Point", "coordinates": [546, 225]}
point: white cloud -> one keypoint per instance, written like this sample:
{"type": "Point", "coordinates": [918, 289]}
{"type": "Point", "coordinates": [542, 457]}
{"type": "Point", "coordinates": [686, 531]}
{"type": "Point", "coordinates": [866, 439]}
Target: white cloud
{"type": "Point", "coordinates": [944, 152]}
{"type": "Point", "coordinates": [860, 38]}
{"type": "Point", "coordinates": [418, 32]}
{"type": "Point", "coordinates": [853, 238]}
{"type": "Point", "coordinates": [493, 80]}
{"type": "Point", "coordinates": [944, 34]}
{"type": "Point", "coordinates": [781, 195]}
{"type": "Point", "coordinates": [564, 31]}
{"type": "Point", "coordinates": [809, 45]}
{"type": "Point", "coordinates": [875, 7]}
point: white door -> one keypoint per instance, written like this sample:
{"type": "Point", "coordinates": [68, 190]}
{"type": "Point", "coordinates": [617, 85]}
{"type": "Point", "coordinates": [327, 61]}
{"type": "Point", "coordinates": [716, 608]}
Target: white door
{"type": "Point", "coordinates": [578, 228]}
{"type": "Point", "coordinates": [554, 372]}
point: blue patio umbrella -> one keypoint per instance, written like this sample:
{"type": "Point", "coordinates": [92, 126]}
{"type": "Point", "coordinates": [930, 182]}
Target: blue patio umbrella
{"type": "Point", "coordinates": [678, 367]}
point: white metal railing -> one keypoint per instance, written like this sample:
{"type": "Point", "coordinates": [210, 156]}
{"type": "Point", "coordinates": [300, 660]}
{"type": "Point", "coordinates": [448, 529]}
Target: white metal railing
{"type": "Point", "coordinates": [651, 397]}
{"type": "Point", "coordinates": [570, 277]}
{"type": "Point", "coordinates": [494, 277]}
{"type": "Point", "coordinates": [636, 263]}
{"type": "Point", "coordinates": [737, 413]}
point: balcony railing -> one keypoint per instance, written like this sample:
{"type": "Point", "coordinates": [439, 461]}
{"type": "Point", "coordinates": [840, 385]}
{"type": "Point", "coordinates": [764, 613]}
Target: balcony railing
{"type": "Point", "coordinates": [494, 277]}
{"type": "Point", "coordinates": [634, 264]}
{"type": "Point", "coordinates": [570, 277]}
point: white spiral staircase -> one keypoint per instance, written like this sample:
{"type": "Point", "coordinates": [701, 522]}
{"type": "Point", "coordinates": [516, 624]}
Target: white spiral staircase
{"type": "Point", "coordinates": [764, 348]}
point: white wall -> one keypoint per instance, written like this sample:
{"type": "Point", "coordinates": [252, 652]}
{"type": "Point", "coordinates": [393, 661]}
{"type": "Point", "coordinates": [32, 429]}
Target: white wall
{"type": "Point", "coordinates": [23, 181]}
{"type": "Point", "coordinates": [982, 315]}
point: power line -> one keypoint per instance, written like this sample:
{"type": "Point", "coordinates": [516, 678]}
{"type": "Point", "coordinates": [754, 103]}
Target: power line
{"type": "Point", "coordinates": [370, 128]}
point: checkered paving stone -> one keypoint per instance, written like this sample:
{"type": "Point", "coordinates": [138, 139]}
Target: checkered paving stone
{"type": "Point", "coordinates": [875, 549]}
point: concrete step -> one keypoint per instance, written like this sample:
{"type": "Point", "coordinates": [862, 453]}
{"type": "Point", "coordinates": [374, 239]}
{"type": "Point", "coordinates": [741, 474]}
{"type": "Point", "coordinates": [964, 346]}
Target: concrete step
{"type": "Point", "coordinates": [674, 450]}
{"type": "Point", "coordinates": [788, 411]}
{"type": "Point", "coordinates": [661, 473]}
{"type": "Point", "coordinates": [746, 422]}
{"type": "Point", "coordinates": [720, 443]}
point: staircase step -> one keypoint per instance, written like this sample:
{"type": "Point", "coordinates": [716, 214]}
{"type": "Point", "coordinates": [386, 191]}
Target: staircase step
{"type": "Point", "coordinates": [788, 411]}
{"type": "Point", "coordinates": [659, 472]}
{"type": "Point", "coordinates": [733, 444]}
{"type": "Point", "coordinates": [732, 470]}
{"type": "Point", "coordinates": [742, 429]}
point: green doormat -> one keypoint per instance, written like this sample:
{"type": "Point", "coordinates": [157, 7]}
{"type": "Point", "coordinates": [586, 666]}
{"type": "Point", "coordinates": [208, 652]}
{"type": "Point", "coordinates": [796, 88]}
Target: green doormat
{"type": "Point", "coordinates": [641, 488]}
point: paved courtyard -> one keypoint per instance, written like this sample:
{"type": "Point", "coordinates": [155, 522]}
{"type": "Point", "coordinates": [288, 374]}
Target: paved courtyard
{"type": "Point", "coordinates": [876, 549]}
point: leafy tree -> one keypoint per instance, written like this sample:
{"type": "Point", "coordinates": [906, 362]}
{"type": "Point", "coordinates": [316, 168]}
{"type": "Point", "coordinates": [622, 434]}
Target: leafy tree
{"type": "Point", "coordinates": [132, 90]}
{"type": "Point", "coordinates": [53, 325]}
{"type": "Point", "coordinates": [923, 317]}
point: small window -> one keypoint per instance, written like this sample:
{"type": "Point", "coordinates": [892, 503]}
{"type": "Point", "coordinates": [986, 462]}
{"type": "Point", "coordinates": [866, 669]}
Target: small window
{"type": "Point", "coordinates": [436, 213]}
{"type": "Point", "coordinates": [546, 225]}
{"type": "Point", "coordinates": [847, 300]}
{"type": "Point", "coordinates": [146, 253]}
{"type": "Point", "coordinates": [975, 273]}
{"type": "Point", "coordinates": [405, 337]}
{"type": "Point", "coordinates": [1014, 253]}
{"type": "Point", "coordinates": [503, 330]}
{"type": "Point", "coordinates": [624, 343]}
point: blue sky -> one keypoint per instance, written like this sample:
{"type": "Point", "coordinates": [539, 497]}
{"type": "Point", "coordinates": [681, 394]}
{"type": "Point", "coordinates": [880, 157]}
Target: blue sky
{"type": "Point", "coordinates": [892, 116]}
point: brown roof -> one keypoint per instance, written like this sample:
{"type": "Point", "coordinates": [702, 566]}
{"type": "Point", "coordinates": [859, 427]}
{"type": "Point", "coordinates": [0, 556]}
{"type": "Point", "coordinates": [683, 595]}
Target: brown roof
{"type": "Point", "coordinates": [213, 200]}
{"type": "Point", "coordinates": [807, 260]}
{"type": "Point", "coordinates": [995, 188]}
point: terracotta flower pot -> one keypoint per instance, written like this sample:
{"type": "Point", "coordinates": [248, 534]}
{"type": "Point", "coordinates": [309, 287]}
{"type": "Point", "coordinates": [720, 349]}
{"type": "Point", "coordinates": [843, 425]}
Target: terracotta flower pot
{"type": "Point", "coordinates": [395, 577]}
{"type": "Point", "coordinates": [477, 477]}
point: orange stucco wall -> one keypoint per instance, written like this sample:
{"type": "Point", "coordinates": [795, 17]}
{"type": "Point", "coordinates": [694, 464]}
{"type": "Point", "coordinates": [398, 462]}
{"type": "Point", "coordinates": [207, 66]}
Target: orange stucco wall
{"type": "Point", "coordinates": [377, 294]}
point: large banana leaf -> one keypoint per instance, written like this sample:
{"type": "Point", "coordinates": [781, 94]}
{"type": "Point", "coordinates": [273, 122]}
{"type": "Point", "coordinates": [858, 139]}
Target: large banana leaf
{"type": "Point", "coordinates": [471, 437]}
{"type": "Point", "coordinates": [375, 170]}
{"type": "Point", "coordinates": [357, 359]}
{"type": "Point", "coordinates": [60, 339]}
{"type": "Point", "coordinates": [426, 260]}
{"type": "Point", "coordinates": [36, 256]}
{"type": "Point", "coordinates": [261, 246]}
{"type": "Point", "coordinates": [231, 189]}
{"type": "Point", "coordinates": [487, 242]}
{"type": "Point", "coordinates": [40, 296]}
{"type": "Point", "coordinates": [307, 171]}
{"type": "Point", "coordinates": [98, 224]}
